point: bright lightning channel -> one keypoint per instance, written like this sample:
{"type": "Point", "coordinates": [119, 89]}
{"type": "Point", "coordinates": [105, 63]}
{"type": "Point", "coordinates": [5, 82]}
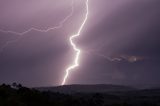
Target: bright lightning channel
{"type": "Point", "coordinates": [78, 51]}
{"type": "Point", "coordinates": [21, 34]}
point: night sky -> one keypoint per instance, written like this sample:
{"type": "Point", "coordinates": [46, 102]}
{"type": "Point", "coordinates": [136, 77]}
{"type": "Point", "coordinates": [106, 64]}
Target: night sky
{"type": "Point", "coordinates": [120, 42]}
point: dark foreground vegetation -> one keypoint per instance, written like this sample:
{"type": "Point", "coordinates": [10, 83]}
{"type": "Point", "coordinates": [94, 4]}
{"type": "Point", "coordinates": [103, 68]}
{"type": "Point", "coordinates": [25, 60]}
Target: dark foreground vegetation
{"type": "Point", "coordinates": [17, 95]}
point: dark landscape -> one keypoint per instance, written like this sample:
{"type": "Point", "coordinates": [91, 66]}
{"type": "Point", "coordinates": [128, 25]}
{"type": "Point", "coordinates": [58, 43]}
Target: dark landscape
{"type": "Point", "coordinates": [78, 95]}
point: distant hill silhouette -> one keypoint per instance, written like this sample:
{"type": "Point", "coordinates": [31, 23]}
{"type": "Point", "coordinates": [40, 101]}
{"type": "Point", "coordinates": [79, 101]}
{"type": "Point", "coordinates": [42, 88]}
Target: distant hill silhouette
{"type": "Point", "coordinates": [97, 88]}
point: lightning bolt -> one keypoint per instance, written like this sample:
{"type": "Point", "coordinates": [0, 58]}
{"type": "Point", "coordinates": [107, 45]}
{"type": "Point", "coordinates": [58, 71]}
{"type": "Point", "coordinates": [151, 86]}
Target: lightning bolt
{"type": "Point", "coordinates": [112, 59]}
{"type": "Point", "coordinates": [78, 51]}
{"type": "Point", "coordinates": [118, 58]}
{"type": "Point", "coordinates": [21, 34]}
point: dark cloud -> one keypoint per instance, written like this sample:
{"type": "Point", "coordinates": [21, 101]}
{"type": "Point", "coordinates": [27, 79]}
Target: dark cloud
{"type": "Point", "coordinates": [119, 29]}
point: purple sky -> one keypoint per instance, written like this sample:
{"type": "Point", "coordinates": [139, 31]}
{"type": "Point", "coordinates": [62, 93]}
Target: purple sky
{"type": "Point", "coordinates": [120, 42]}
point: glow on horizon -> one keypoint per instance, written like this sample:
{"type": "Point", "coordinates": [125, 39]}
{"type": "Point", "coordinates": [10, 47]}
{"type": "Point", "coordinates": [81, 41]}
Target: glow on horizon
{"type": "Point", "coordinates": [78, 51]}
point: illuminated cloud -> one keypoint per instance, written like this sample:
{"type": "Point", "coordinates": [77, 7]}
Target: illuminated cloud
{"type": "Point", "coordinates": [120, 42]}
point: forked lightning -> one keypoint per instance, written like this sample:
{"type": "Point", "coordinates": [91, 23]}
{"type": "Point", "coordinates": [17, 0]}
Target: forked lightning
{"type": "Point", "coordinates": [78, 51]}
{"type": "Point", "coordinates": [21, 34]}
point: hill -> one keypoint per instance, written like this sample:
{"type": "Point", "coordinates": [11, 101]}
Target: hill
{"type": "Point", "coordinates": [97, 88]}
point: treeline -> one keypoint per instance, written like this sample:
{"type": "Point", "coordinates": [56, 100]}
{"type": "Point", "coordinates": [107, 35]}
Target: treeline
{"type": "Point", "coordinates": [17, 95]}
